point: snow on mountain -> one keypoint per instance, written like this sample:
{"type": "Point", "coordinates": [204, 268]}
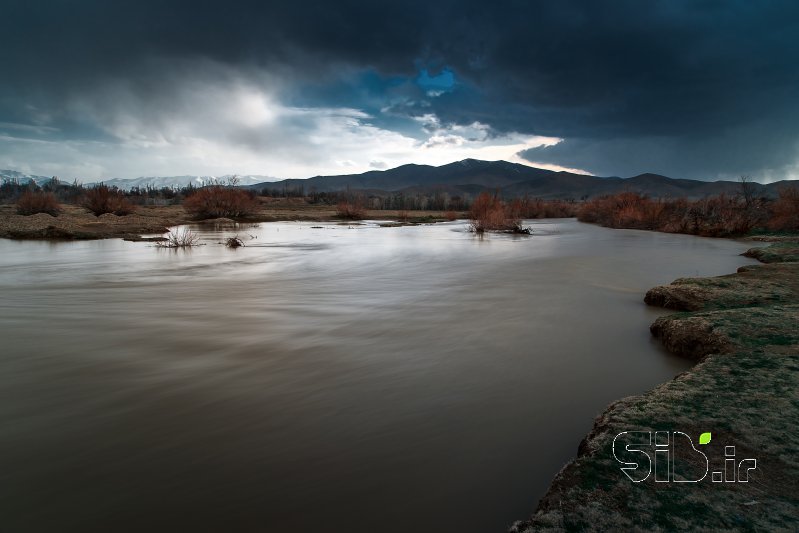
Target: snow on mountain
{"type": "Point", "coordinates": [144, 182]}
{"type": "Point", "coordinates": [14, 175]}
{"type": "Point", "coordinates": [182, 181]}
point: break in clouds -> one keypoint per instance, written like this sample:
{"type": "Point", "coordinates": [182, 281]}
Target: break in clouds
{"type": "Point", "coordinates": [701, 90]}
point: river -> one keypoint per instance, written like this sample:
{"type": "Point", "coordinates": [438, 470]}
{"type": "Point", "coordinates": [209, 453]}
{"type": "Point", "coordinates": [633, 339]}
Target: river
{"type": "Point", "coordinates": [342, 378]}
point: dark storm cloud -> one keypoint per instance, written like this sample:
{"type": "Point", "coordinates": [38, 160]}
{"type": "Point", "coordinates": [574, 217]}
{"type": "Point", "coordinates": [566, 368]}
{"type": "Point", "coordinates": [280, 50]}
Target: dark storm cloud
{"type": "Point", "coordinates": [696, 89]}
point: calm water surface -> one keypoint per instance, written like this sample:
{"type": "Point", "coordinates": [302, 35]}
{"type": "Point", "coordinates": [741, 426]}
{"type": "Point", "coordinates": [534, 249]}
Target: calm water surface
{"type": "Point", "coordinates": [337, 379]}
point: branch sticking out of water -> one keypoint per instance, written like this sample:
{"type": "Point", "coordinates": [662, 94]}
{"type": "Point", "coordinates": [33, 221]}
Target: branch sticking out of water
{"type": "Point", "coordinates": [180, 239]}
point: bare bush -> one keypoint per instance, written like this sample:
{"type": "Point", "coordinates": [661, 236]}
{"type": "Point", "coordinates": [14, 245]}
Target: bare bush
{"type": "Point", "coordinates": [31, 203]}
{"type": "Point", "coordinates": [351, 209]}
{"type": "Point", "coordinates": [451, 215]}
{"type": "Point", "coordinates": [719, 216]}
{"type": "Point", "coordinates": [489, 213]}
{"type": "Point", "coordinates": [217, 202]}
{"type": "Point", "coordinates": [785, 210]}
{"type": "Point", "coordinates": [180, 239]}
{"type": "Point", "coordinates": [103, 199]}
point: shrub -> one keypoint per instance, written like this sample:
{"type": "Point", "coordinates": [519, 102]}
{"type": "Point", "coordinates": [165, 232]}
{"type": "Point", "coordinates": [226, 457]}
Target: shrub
{"type": "Point", "coordinates": [234, 242]}
{"type": "Point", "coordinates": [451, 216]}
{"type": "Point", "coordinates": [103, 199]}
{"type": "Point", "coordinates": [180, 239]}
{"type": "Point", "coordinates": [31, 203]}
{"type": "Point", "coordinates": [351, 209]}
{"type": "Point", "coordinates": [719, 216]}
{"type": "Point", "coordinates": [489, 213]}
{"type": "Point", "coordinates": [123, 206]}
{"type": "Point", "coordinates": [785, 210]}
{"type": "Point", "coordinates": [217, 202]}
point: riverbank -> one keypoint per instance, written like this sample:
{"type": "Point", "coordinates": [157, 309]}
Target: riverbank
{"type": "Point", "coordinates": [744, 391]}
{"type": "Point", "coordinates": [77, 223]}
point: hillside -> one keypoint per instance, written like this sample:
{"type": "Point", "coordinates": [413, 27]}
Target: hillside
{"type": "Point", "coordinates": [472, 176]}
{"type": "Point", "coordinates": [467, 177]}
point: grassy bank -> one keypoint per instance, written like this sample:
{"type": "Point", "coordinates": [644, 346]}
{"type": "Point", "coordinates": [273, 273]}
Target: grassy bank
{"type": "Point", "coordinates": [742, 328]}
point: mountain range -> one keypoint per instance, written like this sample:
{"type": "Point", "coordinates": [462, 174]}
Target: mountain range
{"type": "Point", "coordinates": [173, 182]}
{"type": "Point", "coordinates": [470, 176]}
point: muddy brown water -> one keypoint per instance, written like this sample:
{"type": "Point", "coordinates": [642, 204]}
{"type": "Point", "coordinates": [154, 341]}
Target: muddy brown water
{"type": "Point", "coordinates": [337, 379]}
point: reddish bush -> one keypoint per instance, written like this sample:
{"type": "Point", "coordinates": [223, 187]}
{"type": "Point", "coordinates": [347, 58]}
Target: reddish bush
{"type": "Point", "coordinates": [103, 199]}
{"type": "Point", "coordinates": [123, 206]}
{"type": "Point", "coordinates": [217, 202]}
{"type": "Point", "coordinates": [451, 215]}
{"type": "Point", "coordinates": [785, 211]}
{"type": "Point", "coordinates": [719, 216]}
{"type": "Point", "coordinates": [31, 203]}
{"type": "Point", "coordinates": [351, 209]}
{"type": "Point", "coordinates": [489, 213]}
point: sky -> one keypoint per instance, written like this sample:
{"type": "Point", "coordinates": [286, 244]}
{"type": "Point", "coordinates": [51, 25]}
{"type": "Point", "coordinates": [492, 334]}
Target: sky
{"type": "Point", "coordinates": [698, 89]}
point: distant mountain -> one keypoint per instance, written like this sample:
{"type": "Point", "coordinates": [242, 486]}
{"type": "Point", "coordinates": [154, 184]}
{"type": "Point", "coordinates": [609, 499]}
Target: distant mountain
{"type": "Point", "coordinates": [487, 174]}
{"type": "Point", "coordinates": [22, 178]}
{"type": "Point", "coordinates": [467, 177]}
{"type": "Point", "coordinates": [144, 182]}
{"type": "Point", "coordinates": [472, 176]}
{"type": "Point", "coordinates": [182, 181]}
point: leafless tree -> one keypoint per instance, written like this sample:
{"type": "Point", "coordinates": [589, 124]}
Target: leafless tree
{"type": "Point", "coordinates": [747, 190]}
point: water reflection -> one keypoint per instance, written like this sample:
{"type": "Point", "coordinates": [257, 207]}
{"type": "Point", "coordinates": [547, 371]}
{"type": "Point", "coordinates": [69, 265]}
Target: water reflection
{"type": "Point", "coordinates": [335, 378]}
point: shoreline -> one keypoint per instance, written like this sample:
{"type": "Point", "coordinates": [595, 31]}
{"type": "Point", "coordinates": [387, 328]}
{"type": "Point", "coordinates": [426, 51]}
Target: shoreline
{"type": "Point", "coordinates": [744, 389]}
{"type": "Point", "coordinates": [77, 223]}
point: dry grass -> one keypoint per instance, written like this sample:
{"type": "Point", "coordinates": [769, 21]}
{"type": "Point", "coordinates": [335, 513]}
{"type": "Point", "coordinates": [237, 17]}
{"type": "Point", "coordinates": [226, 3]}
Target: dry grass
{"type": "Point", "coordinates": [31, 203]}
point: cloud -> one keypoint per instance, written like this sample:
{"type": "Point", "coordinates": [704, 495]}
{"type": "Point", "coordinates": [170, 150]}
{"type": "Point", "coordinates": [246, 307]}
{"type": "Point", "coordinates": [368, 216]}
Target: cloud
{"type": "Point", "coordinates": [757, 151]}
{"type": "Point", "coordinates": [230, 123]}
{"type": "Point", "coordinates": [685, 88]}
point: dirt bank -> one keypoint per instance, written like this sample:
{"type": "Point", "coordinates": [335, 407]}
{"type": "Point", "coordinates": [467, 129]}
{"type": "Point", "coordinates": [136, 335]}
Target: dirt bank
{"type": "Point", "coordinates": [78, 223]}
{"type": "Point", "coordinates": [744, 391]}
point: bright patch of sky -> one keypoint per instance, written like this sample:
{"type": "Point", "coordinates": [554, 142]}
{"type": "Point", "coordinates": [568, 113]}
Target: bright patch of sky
{"type": "Point", "coordinates": [238, 125]}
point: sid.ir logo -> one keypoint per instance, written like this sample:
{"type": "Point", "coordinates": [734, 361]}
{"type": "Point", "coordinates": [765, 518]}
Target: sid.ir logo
{"type": "Point", "coordinates": [641, 455]}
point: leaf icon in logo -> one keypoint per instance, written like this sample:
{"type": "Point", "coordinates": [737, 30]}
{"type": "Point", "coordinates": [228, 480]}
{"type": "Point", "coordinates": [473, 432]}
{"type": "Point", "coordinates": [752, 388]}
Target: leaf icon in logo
{"type": "Point", "coordinates": [704, 438]}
